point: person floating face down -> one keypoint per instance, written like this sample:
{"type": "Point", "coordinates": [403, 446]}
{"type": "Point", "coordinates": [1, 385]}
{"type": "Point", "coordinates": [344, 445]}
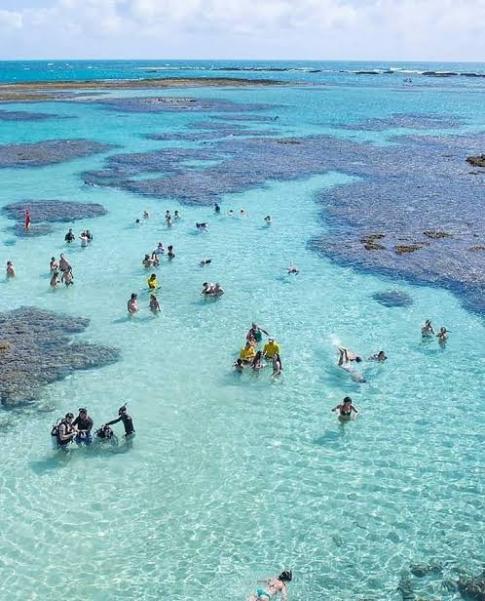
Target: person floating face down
{"type": "Point", "coordinates": [127, 422]}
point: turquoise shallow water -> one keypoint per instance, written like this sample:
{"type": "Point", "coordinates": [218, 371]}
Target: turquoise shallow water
{"type": "Point", "coordinates": [231, 479]}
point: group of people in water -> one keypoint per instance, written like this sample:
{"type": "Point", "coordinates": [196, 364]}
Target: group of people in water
{"type": "Point", "coordinates": [69, 430]}
{"type": "Point", "coordinates": [255, 358]}
{"type": "Point", "coordinates": [86, 237]}
{"type": "Point", "coordinates": [428, 333]}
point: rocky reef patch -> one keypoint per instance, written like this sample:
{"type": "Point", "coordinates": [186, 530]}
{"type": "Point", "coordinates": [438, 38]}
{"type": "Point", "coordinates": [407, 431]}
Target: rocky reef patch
{"type": "Point", "coordinates": [28, 116]}
{"type": "Point", "coordinates": [158, 104]}
{"type": "Point", "coordinates": [43, 212]}
{"type": "Point", "coordinates": [393, 298]}
{"type": "Point", "coordinates": [48, 152]}
{"type": "Point", "coordinates": [36, 349]}
{"type": "Point", "coordinates": [412, 210]}
{"type": "Point", "coordinates": [405, 121]}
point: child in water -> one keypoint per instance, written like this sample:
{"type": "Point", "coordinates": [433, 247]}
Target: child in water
{"type": "Point", "coordinates": [10, 270]}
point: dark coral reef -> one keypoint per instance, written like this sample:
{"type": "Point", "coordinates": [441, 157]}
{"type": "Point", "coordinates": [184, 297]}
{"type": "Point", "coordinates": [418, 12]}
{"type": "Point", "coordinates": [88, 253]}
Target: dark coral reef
{"type": "Point", "coordinates": [36, 349]}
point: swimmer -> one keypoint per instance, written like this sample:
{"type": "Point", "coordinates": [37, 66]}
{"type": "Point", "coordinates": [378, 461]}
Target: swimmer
{"type": "Point", "coordinates": [155, 260]}
{"type": "Point", "coordinates": [133, 304]}
{"type": "Point", "coordinates": [176, 216]}
{"type": "Point", "coordinates": [380, 357]}
{"type": "Point", "coordinates": [293, 269]}
{"type": "Point", "coordinates": [217, 209]}
{"type": "Point", "coordinates": [146, 214]}
{"type": "Point", "coordinates": [247, 354]}
{"type": "Point", "coordinates": [442, 336]}
{"type": "Point", "coordinates": [64, 264]}
{"type": "Point", "coordinates": [67, 277]}
{"type": "Point", "coordinates": [345, 360]}
{"type": "Point", "coordinates": [137, 222]}
{"type": "Point", "coordinates": [242, 212]}
{"type": "Point", "coordinates": [147, 262]}
{"type": "Point", "coordinates": [277, 366]}
{"type": "Point", "coordinates": [160, 250]}
{"type": "Point", "coordinates": [205, 262]}
{"type": "Point", "coordinates": [267, 220]}
{"type": "Point", "coordinates": [427, 330]}
{"type": "Point", "coordinates": [346, 356]}
{"type": "Point", "coordinates": [257, 363]}
{"type": "Point", "coordinates": [55, 279]}
{"type": "Point", "coordinates": [238, 366]}
{"type": "Point", "coordinates": [27, 220]}
{"type": "Point", "coordinates": [10, 270]}
{"type": "Point", "coordinates": [69, 237]}
{"type": "Point", "coordinates": [207, 288]}
{"type": "Point", "coordinates": [53, 265]}
{"type": "Point", "coordinates": [271, 349]}
{"type": "Point", "coordinates": [170, 254]}
{"type": "Point", "coordinates": [273, 587]}
{"type": "Point", "coordinates": [217, 290]}
{"type": "Point", "coordinates": [153, 282]}
{"type": "Point", "coordinates": [202, 227]}
{"type": "Point", "coordinates": [154, 304]}
{"type": "Point", "coordinates": [345, 409]}
{"type": "Point", "coordinates": [168, 219]}
{"type": "Point", "coordinates": [231, 213]}
{"type": "Point", "coordinates": [89, 236]}
{"type": "Point", "coordinates": [255, 333]}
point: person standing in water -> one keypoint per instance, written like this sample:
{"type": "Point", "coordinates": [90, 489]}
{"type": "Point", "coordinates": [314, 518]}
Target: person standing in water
{"type": "Point", "coordinates": [133, 304]}
{"type": "Point", "coordinates": [274, 587]}
{"type": "Point", "coordinates": [345, 409]}
{"type": "Point", "coordinates": [84, 424]}
{"type": "Point", "coordinates": [255, 333]}
{"type": "Point", "coordinates": [170, 253]}
{"type": "Point", "coordinates": [27, 220]}
{"type": "Point", "coordinates": [442, 336]}
{"type": "Point", "coordinates": [54, 265]}
{"type": "Point", "coordinates": [154, 304]}
{"type": "Point", "coordinates": [277, 366]}
{"type": "Point", "coordinates": [64, 264]}
{"type": "Point", "coordinates": [10, 270]}
{"type": "Point", "coordinates": [127, 422]}
{"type": "Point", "coordinates": [427, 331]}
{"type": "Point", "coordinates": [55, 279]}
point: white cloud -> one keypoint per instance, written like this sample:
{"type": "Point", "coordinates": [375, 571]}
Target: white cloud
{"type": "Point", "coordinates": [10, 19]}
{"type": "Point", "coordinates": [393, 29]}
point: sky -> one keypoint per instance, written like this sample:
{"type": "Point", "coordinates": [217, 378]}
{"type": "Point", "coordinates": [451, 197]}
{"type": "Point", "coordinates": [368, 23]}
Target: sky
{"type": "Point", "coordinates": [419, 30]}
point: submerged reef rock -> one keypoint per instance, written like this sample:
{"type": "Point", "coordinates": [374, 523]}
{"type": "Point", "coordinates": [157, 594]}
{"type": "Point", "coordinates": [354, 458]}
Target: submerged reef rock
{"type": "Point", "coordinates": [156, 104]}
{"type": "Point", "coordinates": [424, 569]}
{"type": "Point", "coordinates": [211, 131]}
{"type": "Point", "coordinates": [36, 349]}
{"type": "Point", "coordinates": [27, 116]}
{"type": "Point", "coordinates": [42, 211]}
{"type": "Point", "coordinates": [477, 161]}
{"type": "Point", "coordinates": [404, 121]}
{"type": "Point", "coordinates": [48, 152]}
{"type": "Point", "coordinates": [393, 298]}
{"type": "Point", "coordinates": [472, 589]}
{"type": "Point", "coordinates": [53, 210]}
{"type": "Point", "coordinates": [415, 194]}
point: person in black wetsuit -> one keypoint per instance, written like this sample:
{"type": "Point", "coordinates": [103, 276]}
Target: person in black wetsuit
{"type": "Point", "coordinates": [127, 422]}
{"type": "Point", "coordinates": [84, 425]}
{"type": "Point", "coordinates": [69, 237]}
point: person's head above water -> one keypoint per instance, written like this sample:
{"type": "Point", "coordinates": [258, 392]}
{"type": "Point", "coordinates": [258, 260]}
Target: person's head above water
{"type": "Point", "coordinates": [83, 411]}
{"type": "Point", "coordinates": [347, 399]}
{"type": "Point", "coordinates": [122, 410]}
{"type": "Point", "coordinates": [69, 416]}
{"type": "Point", "coordinates": [134, 296]}
{"type": "Point", "coordinates": [286, 576]}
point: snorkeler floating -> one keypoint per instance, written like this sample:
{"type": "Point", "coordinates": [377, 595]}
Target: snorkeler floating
{"type": "Point", "coordinates": [273, 587]}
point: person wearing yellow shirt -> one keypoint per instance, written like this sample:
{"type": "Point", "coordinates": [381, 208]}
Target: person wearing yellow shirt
{"type": "Point", "coordinates": [153, 282]}
{"type": "Point", "coordinates": [247, 353]}
{"type": "Point", "coordinates": [271, 348]}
